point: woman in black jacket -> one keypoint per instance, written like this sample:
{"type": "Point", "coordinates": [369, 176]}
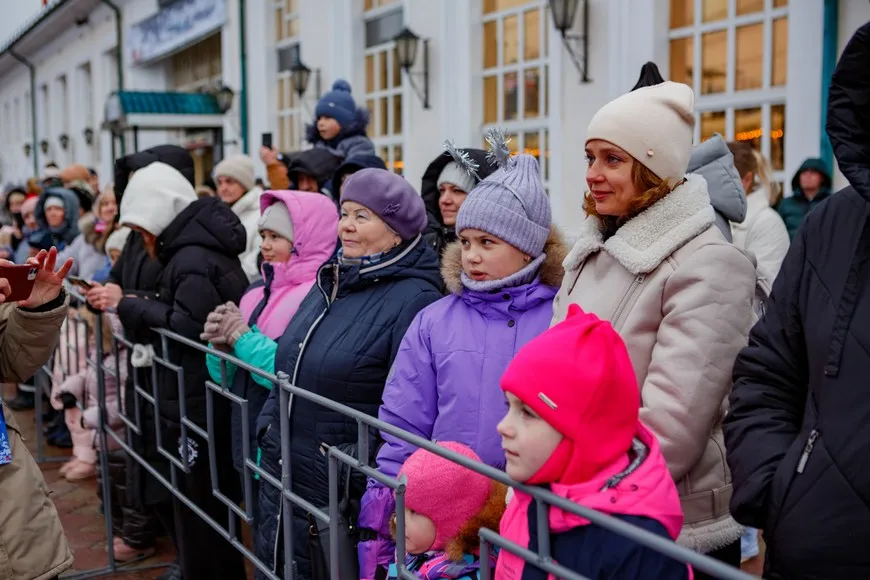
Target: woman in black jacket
{"type": "Point", "coordinates": [446, 183]}
{"type": "Point", "coordinates": [136, 273]}
{"type": "Point", "coordinates": [341, 344]}
{"type": "Point", "coordinates": [197, 241]}
{"type": "Point", "coordinates": [797, 431]}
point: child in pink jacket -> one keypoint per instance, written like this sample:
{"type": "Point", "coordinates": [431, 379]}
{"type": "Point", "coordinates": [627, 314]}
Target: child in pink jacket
{"type": "Point", "coordinates": [80, 389]}
{"type": "Point", "coordinates": [572, 425]}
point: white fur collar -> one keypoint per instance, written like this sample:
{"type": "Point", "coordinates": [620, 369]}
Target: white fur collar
{"type": "Point", "coordinates": [648, 238]}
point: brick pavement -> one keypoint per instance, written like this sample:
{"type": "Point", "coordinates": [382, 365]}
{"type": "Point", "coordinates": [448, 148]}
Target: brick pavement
{"type": "Point", "coordinates": [78, 506]}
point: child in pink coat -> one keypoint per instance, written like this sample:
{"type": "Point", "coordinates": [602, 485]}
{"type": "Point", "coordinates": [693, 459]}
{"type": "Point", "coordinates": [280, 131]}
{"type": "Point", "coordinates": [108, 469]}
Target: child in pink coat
{"type": "Point", "coordinates": [81, 389]}
{"type": "Point", "coordinates": [441, 525]}
{"type": "Point", "coordinates": [572, 425]}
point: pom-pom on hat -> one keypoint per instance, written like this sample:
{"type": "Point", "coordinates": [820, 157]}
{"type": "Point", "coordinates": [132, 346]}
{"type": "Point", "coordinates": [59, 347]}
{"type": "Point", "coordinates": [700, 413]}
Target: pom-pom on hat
{"type": "Point", "coordinates": [653, 124]}
{"type": "Point", "coordinates": [337, 104]}
{"type": "Point", "coordinates": [577, 377]}
{"type": "Point", "coordinates": [445, 492]}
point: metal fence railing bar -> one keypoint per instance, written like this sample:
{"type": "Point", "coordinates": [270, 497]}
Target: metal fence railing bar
{"type": "Point", "coordinates": [240, 511]}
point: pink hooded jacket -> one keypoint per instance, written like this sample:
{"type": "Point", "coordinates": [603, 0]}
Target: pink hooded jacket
{"type": "Point", "coordinates": [648, 491]}
{"type": "Point", "coordinates": [315, 230]}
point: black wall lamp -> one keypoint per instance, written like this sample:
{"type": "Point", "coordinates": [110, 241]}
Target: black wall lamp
{"type": "Point", "coordinates": [64, 141]}
{"type": "Point", "coordinates": [564, 14]}
{"type": "Point", "coordinates": [43, 146]}
{"type": "Point", "coordinates": [27, 149]}
{"type": "Point", "coordinates": [89, 136]}
{"type": "Point", "coordinates": [224, 96]}
{"type": "Point", "coordinates": [406, 55]}
{"type": "Point", "coordinates": [300, 75]}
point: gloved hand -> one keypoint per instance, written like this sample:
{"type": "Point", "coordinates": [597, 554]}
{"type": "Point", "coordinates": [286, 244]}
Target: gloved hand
{"type": "Point", "coordinates": [211, 331]}
{"type": "Point", "coordinates": [68, 400]}
{"type": "Point", "coordinates": [232, 325]}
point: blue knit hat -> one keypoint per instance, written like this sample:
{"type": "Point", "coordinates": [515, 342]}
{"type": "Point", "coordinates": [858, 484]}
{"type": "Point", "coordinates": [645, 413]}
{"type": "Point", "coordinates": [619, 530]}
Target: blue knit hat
{"type": "Point", "coordinates": [512, 205]}
{"type": "Point", "coordinates": [337, 104]}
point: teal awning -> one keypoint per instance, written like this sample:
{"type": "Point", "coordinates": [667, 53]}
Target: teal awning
{"type": "Point", "coordinates": [153, 109]}
{"type": "Point", "coordinates": [155, 103]}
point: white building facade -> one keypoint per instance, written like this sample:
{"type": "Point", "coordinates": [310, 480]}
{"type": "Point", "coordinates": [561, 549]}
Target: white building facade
{"type": "Point", "coordinates": [757, 68]}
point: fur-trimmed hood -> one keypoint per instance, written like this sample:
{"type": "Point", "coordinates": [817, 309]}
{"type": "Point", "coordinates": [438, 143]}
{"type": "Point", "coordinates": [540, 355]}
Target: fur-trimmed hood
{"type": "Point", "coordinates": [647, 239]}
{"type": "Point", "coordinates": [467, 541]}
{"type": "Point", "coordinates": [550, 272]}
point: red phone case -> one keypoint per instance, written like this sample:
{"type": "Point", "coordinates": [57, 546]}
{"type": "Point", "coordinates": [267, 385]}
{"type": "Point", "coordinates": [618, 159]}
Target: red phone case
{"type": "Point", "coordinates": [21, 279]}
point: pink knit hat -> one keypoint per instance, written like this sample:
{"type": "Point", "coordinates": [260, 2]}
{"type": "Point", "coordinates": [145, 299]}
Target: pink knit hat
{"type": "Point", "coordinates": [432, 490]}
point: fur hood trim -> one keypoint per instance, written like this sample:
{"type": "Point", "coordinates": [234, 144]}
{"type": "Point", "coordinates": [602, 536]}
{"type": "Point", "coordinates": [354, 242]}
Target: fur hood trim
{"type": "Point", "coordinates": [551, 271]}
{"type": "Point", "coordinates": [647, 239]}
{"type": "Point", "coordinates": [88, 228]}
{"type": "Point", "coordinates": [467, 541]}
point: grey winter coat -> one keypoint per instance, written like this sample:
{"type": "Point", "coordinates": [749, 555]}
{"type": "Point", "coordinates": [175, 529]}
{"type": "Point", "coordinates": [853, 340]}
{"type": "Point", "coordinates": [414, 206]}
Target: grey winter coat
{"type": "Point", "coordinates": [87, 250]}
{"type": "Point", "coordinates": [713, 161]}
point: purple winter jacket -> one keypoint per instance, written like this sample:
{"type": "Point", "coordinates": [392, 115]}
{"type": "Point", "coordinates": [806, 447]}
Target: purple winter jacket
{"type": "Point", "coordinates": [444, 384]}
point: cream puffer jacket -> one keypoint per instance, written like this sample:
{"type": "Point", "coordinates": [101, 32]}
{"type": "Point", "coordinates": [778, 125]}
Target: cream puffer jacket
{"type": "Point", "coordinates": [681, 298]}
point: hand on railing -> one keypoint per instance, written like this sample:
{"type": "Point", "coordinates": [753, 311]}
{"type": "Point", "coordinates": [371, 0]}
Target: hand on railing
{"type": "Point", "coordinates": [224, 326]}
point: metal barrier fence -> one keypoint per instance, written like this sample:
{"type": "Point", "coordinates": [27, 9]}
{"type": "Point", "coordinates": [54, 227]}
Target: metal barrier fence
{"type": "Point", "coordinates": [239, 514]}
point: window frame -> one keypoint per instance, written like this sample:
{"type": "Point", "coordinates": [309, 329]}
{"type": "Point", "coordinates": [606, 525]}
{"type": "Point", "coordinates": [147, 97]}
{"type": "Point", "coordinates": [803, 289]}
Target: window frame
{"type": "Point", "coordinates": [293, 133]}
{"type": "Point", "coordinates": [395, 139]}
{"type": "Point", "coordinates": [766, 97]}
{"type": "Point", "coordinates": [544, 64]}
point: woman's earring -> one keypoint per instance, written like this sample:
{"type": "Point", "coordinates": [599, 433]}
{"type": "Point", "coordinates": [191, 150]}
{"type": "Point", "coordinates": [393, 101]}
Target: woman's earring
{"type": "Point", "coordinates": [528, 259]}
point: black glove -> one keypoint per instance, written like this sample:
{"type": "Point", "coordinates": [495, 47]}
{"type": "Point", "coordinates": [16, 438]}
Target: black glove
{"type": "Point", "coordinates": [68, 400]}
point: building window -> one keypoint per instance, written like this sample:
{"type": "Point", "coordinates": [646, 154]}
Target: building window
{"type": "Point", "coordinates": [290, 115]}
{"type": "Point", "coordinates": [383, 81]}
{"type": "Point", "coordinates": [515, 74]}
{"type": "Point", "coordinates": [198, 67]}
{"type": "Point", "coordinates": [742, 49]}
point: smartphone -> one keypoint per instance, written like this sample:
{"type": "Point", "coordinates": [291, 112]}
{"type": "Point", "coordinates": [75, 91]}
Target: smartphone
{"type": "Point", "coordinates": [21, 278]}
{"type": "Point", "coordinates": [80, 283]}
{"type": "Point", "coordinates": [267, 140]}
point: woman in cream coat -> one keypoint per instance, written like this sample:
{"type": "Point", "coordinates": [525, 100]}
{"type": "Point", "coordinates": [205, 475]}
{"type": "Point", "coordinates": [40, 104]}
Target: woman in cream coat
{"type": "Point", "coordinates": [650, 259]}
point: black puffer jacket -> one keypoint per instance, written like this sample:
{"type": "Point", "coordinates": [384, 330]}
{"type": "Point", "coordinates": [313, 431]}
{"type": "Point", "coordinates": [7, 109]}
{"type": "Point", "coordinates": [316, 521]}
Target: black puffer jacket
{"type": "Point", "coordinates": [798, 430]}
{"type": "Point", "coordinates": [437, 235]}
{"type": "Point", "coordinates": [199, 253]}
{"type": "Point", "coordinates": [340, 344]}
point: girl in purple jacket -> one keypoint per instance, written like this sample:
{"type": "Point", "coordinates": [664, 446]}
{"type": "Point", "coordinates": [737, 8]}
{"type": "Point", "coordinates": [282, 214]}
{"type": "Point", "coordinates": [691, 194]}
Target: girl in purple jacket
{"type": "Point", "coordinates": [502, 275]}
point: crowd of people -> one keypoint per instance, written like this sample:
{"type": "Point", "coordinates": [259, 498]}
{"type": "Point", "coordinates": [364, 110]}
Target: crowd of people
{"type": "Point", "coordinates": [459, 313]}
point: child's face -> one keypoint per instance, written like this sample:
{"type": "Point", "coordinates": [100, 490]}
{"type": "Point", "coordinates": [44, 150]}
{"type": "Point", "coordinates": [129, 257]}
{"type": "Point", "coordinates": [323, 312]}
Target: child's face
{"type": "Point", "coordinates": [528, 440]}
{"type": "Point", "coordinates": [275, 248]}
{"type": "Point", "coordinates": [419, 532]}
{"type": "Point", "coordinates": [486, 257]}
{"type": "Point", "coordinates": [328, 128]}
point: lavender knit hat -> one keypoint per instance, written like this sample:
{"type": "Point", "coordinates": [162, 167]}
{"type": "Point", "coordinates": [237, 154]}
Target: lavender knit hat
{"type": "Point", "coordinates": [510, 204]}
{"type": "Point", "coordinates": [391, 197]}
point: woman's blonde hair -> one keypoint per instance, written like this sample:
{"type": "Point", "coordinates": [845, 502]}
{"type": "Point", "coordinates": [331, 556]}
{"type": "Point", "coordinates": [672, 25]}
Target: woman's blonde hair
{"type": "Point", "coordinates": [748, 160]}
{"type": "Point", "coordinates": [651, 186]}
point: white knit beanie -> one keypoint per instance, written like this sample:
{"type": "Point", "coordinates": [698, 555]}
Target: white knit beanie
{"type": "Point", "coordinates": [117, 240]}
{"type": "Point", "coordinates": [154, 197]}
{"type": "Point", "coordinates": [458, 177]}
{"type": "Point", "coordinates": [652, 124]}
{"type": "Point", "coordinates": [238, 167]}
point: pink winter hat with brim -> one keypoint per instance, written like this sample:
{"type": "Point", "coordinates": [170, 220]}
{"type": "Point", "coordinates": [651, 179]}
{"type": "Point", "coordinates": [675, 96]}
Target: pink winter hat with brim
{"type": "Point", "coordinates": [445, 492]}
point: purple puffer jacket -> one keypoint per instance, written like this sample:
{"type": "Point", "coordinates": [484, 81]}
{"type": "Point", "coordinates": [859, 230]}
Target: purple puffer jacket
{"type": "Point", "coordinates": [444, 384]}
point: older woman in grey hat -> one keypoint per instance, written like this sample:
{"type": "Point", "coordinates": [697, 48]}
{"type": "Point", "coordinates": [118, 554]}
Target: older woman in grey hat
{"type": "Point", "coordinates": [342, 342]}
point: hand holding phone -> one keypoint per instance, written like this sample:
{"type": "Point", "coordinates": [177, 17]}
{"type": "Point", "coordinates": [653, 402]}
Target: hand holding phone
{"type": "Point", "coordinates": [17, 281]}
{"type": "Point", "coordinates": [80, 283]}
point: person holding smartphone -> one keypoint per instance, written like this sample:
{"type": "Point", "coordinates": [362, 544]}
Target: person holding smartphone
{"type": "Point", "coordinates": [29, 331]}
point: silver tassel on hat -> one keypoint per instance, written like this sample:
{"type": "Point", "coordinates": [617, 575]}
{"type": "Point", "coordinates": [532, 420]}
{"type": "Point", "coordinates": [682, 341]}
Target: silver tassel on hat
{"type": "Point", "coordinates": [462, 158]}
{"type": "Point", "coordinates": [499, 153]}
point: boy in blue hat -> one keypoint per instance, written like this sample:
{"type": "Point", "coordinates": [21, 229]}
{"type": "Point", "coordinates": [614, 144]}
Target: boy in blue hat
{"type": "Point", "coordinates": [340, 126]}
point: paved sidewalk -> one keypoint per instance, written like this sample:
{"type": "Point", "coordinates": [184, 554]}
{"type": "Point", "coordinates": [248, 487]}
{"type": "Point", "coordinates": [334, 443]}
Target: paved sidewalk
{"type": "Point", "coordinates": [78, 505]}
